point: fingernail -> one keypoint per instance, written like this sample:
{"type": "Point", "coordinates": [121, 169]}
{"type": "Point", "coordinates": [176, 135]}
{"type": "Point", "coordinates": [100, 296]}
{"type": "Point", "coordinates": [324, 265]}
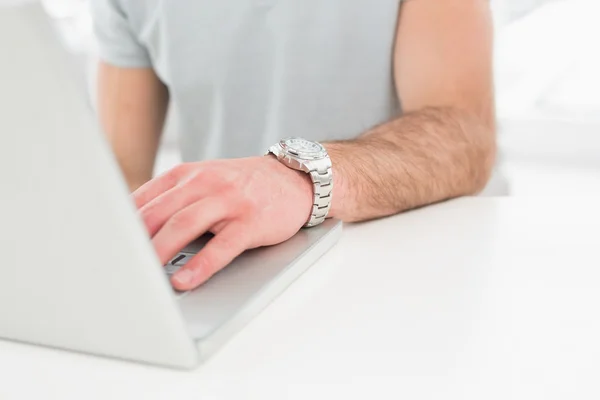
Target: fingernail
{"type": "Point", "coordinates": [183, 277]}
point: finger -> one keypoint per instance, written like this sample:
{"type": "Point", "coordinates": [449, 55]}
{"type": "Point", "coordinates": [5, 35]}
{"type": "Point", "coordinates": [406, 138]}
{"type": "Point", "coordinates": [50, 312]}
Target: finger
{"type": "Point", "coordinates": [158, 211]}
{"type": "Point", "coordinates": [219, 252]}
{"type": "Point", "coordinates": [155, 187]}
{"type": "Point", "coordinates": [187, 225]}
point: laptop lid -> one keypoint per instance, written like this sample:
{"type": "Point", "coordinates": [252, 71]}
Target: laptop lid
{"type": "Point", "coordinates": [77, 270]}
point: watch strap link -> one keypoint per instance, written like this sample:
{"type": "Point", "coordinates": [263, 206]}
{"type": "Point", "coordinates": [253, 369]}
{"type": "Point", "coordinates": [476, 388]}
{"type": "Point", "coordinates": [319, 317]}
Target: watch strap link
{"type": "Point", "coordinates": [322, 177]}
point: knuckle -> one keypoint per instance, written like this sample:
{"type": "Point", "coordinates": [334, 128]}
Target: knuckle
{"type": "Point", "coordinates": [177, 172]}
{"type": "Point", "coordinates": [149, 219]}
{"type": "Point", "coordinates": [199, 175]}
{"type": "Point", "coordinates": [223, 185]}
{"type": "Point", "coordinates": [152, 209]}
{"type": "Point", "coordinates": [242, 195]}
{"type": "Point", "coordinates": [235, 205]}
{"type": "Point", "coordinates": [147, 212]}
{"type": "Point", "coordinates": [226, 242]}
{"type": "Point", "coordinates": [230, 187]}
{"type": "Point", "coordinates": [208, 178]}
{"type": "Point", "coordinates": [180, 221]}
{"type": "Point", "coordinates": [250, 204]}
{"type": "Point", "coordinates": [153, 223]}
{"type": "Point", "coordinates": [149, 209]}
{"type": "Point", "coordinates": [233, 180]}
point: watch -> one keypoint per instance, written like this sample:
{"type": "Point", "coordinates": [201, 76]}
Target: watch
{"type": "Point", "coordinates": [312, 158]}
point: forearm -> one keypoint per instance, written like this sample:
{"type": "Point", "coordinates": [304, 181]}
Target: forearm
{"type": "Point", "coordinates": [421, 158]}
{"type": "Point", "coordinates": [132, 105]}
{"type": "Point", "coordinates": [135, 157]}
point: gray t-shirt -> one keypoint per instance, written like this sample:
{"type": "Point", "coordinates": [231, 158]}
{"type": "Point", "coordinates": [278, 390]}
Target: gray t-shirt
{"type": "Point", "coordinates": [245, 73]}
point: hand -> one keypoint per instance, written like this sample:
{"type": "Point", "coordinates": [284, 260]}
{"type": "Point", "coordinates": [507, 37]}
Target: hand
{"type": "Point", "coordinates": [246, 203]}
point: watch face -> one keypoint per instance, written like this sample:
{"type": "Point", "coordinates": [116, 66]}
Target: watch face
{"type": "Point", "coordinates": [303, 148]}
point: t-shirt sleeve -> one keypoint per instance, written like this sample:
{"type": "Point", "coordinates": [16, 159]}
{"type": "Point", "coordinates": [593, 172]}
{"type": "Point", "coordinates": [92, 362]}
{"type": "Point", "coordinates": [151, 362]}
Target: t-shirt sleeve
{"type": "Point", "coordinates": [117, 42]}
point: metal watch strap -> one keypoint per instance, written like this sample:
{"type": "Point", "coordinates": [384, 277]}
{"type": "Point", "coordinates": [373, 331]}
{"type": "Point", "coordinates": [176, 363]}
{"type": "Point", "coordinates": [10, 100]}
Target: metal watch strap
{"type": "Point", "coordinates": [322, 177]}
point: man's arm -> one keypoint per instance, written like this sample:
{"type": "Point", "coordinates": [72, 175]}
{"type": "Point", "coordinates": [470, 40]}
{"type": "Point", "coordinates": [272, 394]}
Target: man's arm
{"type": "Point", "coordinates": [132, 103]}
{"type": "Point", "coordinates": [444, 145]}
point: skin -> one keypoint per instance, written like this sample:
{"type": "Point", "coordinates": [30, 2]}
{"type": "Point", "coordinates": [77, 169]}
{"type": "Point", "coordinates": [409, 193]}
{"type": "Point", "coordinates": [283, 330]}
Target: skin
{"type": "Point", "coordinates": [442, 147]}
{"type": "Point", "coordinates": [132, 104]}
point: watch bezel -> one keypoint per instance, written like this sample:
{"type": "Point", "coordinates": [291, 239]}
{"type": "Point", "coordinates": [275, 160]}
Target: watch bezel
{"type": "Point", "coordinates": [303, 155]}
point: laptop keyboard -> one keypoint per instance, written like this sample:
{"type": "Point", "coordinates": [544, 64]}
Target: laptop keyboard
{"type": "Point", "coordinates": [177, 262]}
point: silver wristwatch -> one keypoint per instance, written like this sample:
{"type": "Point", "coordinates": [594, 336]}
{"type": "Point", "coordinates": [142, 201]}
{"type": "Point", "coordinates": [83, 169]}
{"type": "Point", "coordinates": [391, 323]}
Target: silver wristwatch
{"type": "Point", "coordinates": [312, 158]}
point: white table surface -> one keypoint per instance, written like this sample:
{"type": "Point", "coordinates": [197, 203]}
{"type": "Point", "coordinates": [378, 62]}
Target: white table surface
{"type": "Point", "coordinates": [472, 299]}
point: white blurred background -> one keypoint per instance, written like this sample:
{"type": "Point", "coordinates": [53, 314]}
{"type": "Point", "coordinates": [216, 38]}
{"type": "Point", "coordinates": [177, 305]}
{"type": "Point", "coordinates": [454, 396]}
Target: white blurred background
{"type": "Point", "coordinates": [547, 65]}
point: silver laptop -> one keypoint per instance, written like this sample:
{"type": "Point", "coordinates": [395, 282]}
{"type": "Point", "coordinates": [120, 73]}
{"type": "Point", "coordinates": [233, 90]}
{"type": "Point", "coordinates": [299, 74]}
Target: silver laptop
{"type": "Point", "coordinates": [77, 269]}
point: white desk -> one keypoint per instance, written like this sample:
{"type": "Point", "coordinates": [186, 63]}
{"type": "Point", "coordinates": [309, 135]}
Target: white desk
{"type": "Point", "coordinates": [472, 299]}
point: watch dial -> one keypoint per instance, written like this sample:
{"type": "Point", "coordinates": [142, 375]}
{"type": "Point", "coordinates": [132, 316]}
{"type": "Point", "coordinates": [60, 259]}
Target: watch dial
{"type": "Point", "coordinates": [299, 145]}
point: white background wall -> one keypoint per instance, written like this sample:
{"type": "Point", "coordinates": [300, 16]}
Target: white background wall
{"type": "Point", "coordinates": [547, 83]}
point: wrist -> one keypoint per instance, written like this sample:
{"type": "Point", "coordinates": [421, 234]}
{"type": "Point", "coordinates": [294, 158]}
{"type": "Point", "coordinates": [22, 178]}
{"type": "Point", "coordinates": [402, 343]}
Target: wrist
{"type": "Point", "coordinates": [301, 180]}
{"type": "Point", "coordinates": [339, 182]}
{"type": "Point", "coordinates": [310, 159]}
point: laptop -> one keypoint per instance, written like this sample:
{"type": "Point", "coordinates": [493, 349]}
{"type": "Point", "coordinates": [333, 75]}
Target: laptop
{"type": "Point", "coordinates": [78, 269]}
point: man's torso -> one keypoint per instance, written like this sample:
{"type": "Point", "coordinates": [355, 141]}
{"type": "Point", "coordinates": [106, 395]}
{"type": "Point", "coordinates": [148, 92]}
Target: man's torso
{"type": "Point", "coordinates": [244, 73]}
